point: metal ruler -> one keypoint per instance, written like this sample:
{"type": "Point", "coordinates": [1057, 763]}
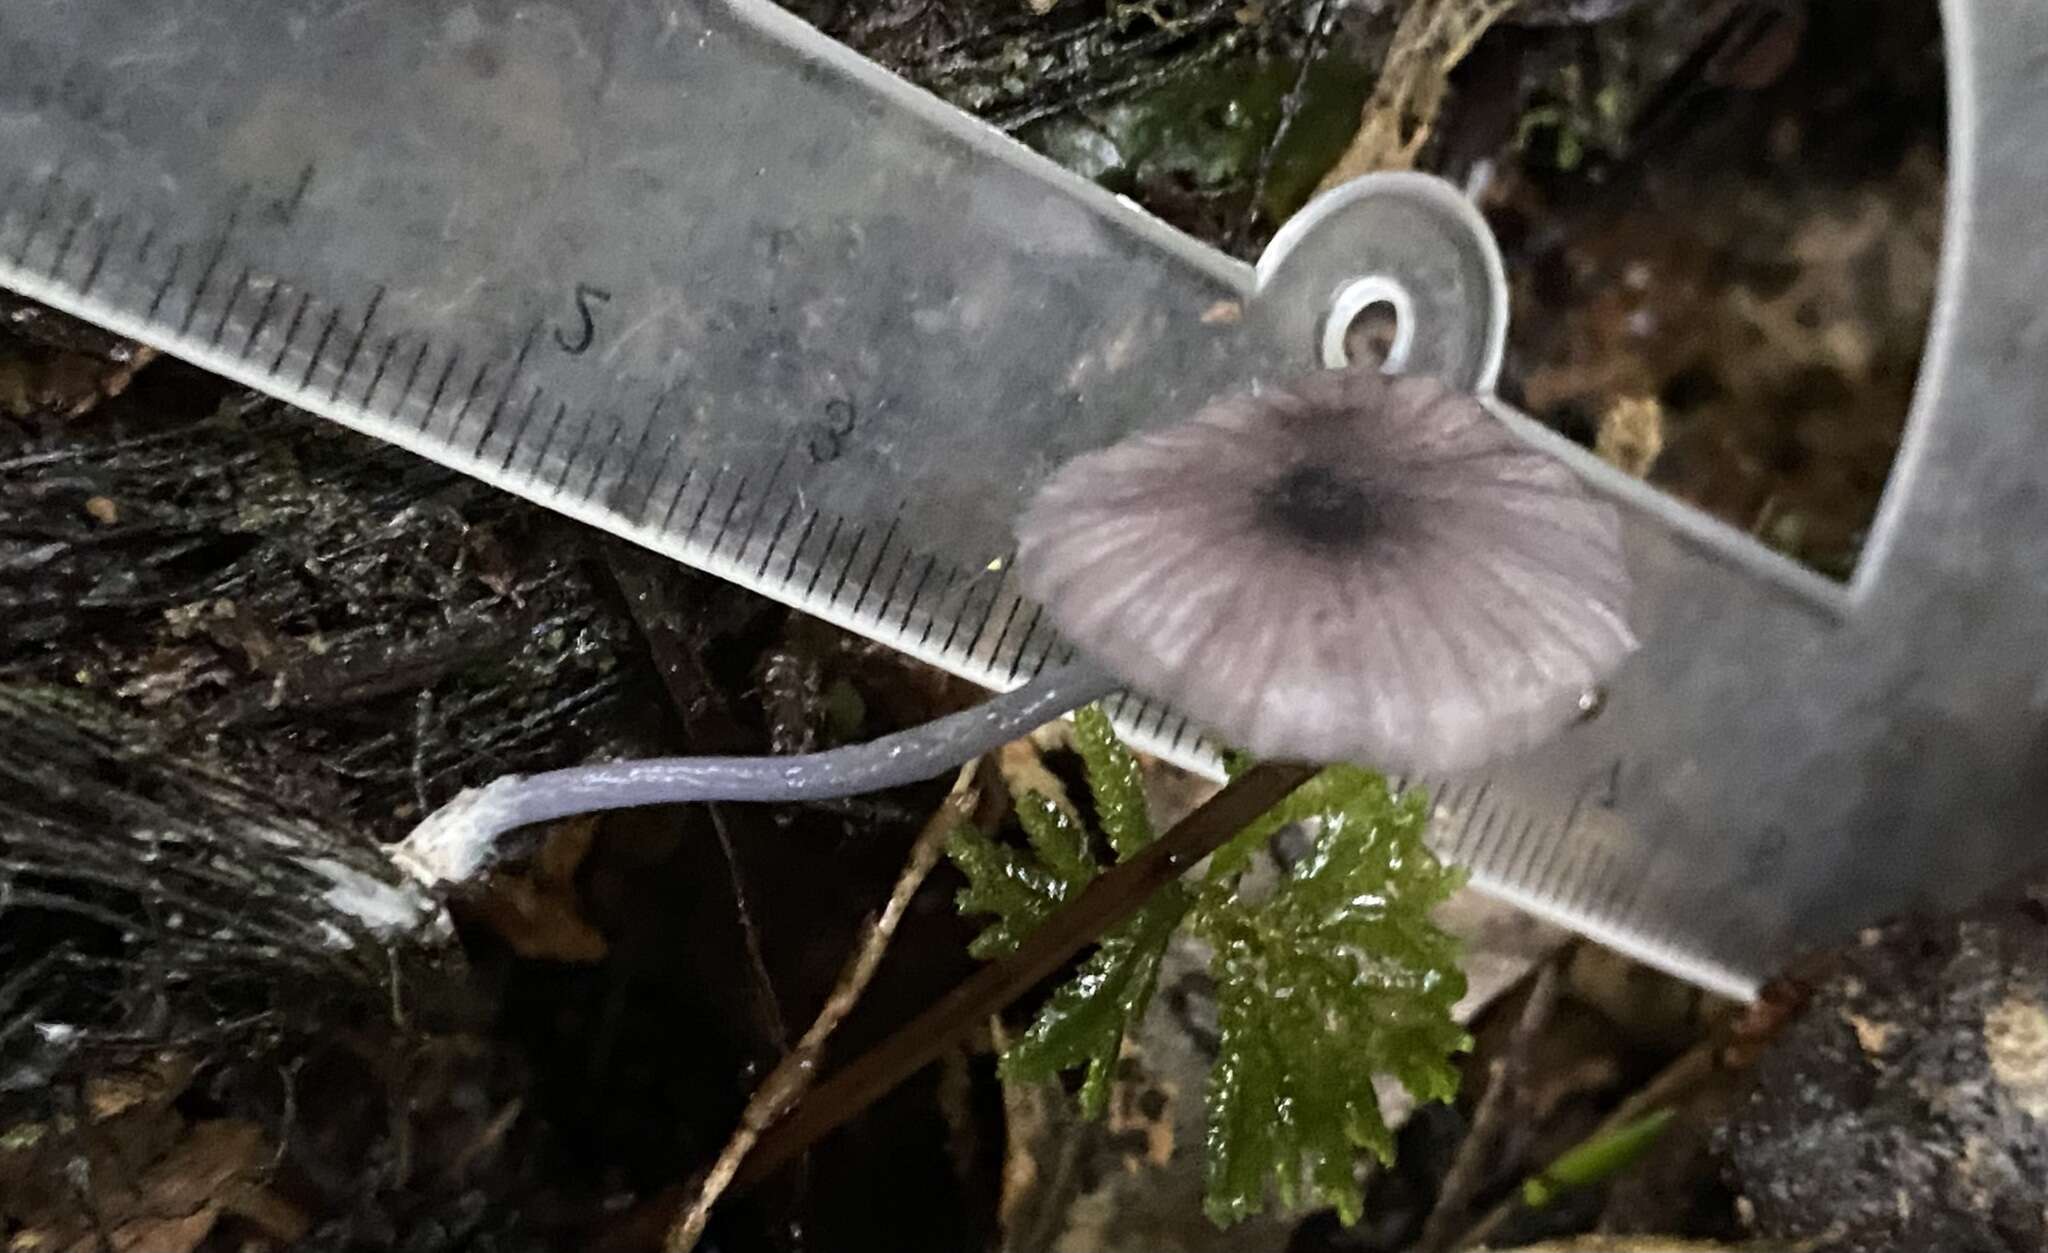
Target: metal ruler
{"type": "Point", "coordinates": [695, 274]}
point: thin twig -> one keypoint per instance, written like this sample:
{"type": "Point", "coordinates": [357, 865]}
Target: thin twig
{"type": "Point", "coordinates": [650, 598]}
{"type": "Point", "coordinates": [1105, 902]}
{"type": "Point", "coordinates": [1503, 1089]}
{"type": "Point", "coordinates": [769, 1004]}
{"type": "Point", "coordinates": [1319, 23]}
{"type": "Point", "coordinates": [787, 1083]}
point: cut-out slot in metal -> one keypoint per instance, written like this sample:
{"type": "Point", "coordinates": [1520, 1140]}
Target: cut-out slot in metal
{"type": "Point", "coordinates": [1374, 315]}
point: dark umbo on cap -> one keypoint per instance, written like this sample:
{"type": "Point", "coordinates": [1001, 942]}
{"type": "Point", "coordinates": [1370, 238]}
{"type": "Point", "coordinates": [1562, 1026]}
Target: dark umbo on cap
{"type": "Point", "coordinates": [1357, 567]}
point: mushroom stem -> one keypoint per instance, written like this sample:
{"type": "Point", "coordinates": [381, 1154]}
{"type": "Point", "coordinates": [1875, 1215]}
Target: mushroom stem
{"type": "Point", "coordinates": [456, 840]}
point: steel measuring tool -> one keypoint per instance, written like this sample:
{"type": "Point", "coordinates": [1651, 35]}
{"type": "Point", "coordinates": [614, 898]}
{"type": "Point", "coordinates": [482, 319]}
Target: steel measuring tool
{"type": "Point", "coordinates": [697, 275]}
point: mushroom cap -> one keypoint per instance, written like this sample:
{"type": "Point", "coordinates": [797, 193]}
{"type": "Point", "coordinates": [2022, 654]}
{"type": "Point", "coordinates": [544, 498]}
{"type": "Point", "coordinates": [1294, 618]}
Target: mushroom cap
{"type": "Point", "coordinates": [1357, 567]}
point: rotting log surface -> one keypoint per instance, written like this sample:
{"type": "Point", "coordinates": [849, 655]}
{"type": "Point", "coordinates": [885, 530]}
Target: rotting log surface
{"type": "Point", "coordinates": [236, 641]}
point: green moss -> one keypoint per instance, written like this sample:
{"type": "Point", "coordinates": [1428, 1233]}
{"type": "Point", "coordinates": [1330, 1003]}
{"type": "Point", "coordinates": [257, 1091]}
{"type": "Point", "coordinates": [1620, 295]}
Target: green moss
{"type": "Point", "coordinates": [1208, 127]}
{"type": "Point", "coordinates": [1334, 975]}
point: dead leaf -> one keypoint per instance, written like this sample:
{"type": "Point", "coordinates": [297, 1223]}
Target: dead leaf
{"type": "Point", "coordinates": [157, 1235]}
{"type": "Point", "coordinates": [1631, 435]}
{"type": "Point", "coordinates": [169, 1206]}
{"type": "Point", "coordinates": [1433, 36]}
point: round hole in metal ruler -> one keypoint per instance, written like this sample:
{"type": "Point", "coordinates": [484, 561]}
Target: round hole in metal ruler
{"type": "Point", "coordinates": [1372, 319]}
{"type": "Point", "coordinates": [1409, 241]}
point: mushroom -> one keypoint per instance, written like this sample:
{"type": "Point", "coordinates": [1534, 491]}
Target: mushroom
{"type": "Point", "coordinates": [1360, 567]}
{"type": "Point", "coordinates": [1357, 567]}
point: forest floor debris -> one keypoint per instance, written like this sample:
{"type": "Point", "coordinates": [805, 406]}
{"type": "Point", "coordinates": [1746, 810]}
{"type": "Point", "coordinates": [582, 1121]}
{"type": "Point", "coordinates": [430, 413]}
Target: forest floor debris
{"type": "Point", "coordinates": [1722, 222]}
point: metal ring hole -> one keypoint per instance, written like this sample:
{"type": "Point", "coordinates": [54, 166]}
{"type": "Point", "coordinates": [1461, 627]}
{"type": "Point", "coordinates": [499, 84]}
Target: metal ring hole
{"type": "Point", "coordinates": [1371, 319]}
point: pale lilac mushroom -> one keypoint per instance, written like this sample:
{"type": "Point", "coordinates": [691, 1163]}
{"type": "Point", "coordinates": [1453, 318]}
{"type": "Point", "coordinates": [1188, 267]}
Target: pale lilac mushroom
{"type": "Point", "coordinates": [1357, 567]}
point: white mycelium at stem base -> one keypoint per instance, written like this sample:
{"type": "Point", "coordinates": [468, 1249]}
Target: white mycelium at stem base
{"type": "Point", "coordinates": [1358, 568]}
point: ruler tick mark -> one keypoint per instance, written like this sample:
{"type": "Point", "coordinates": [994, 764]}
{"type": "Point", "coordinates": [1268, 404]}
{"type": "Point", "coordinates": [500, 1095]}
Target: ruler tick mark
{"type": "Point", "coordinates": [611, 442]}
{"type": "Point", "coordinates": [1527, 841]}
{"type": "Point", "coordinates": [895, 582]}
{"type": "Point", "coordinates": [170, 276]}
{"type": "Point", "coordinates": [142, 249]}
{"type": "Point", "coordinates": [960, 616]}
{"type": "Point", "coordinates": [636, 457]}
{"type": "Point", "coordinates": [753, 526]}
{"type": "Point", "coordinates": [931, 563]}
{"type": "Point", "coordinates": [569, 457]}
{"type": "Point", "coordinates": [725, 523]}
{"type": "Point", "coordinates": [476, 382]}
{"type": "Point", "coordinates": [505, 393]}
{"type": "Point", "coordinates": [782, 524]}
{"type": "Point", "coordinates": [1571, 872]}
{"type": "Point", "coordinates": [355, 347]}
{"type": "Point", "coordinates": [1629, 904]}
{"type": "Point", "coordinates": [440, 387]}
{"type": "Point", "coordinates": [412, 376]}
{"type": "Point", "coordinates": [1597, 892]}
{"type": "Point", "coordinates": [490, 424]}
{"type": "Point", "coordinates": [1487, 830]}
{"type": "Point", "coordinates": [1468, 832]}
{"type": "Point", "coordinates": [931, 620]}
{"type": "Point", "coordinates": [868, 583]}
{"type": "Point", "coordinates": [810, 524]}
{"type": "Point", "coordinates": [818, 570]}
{"type": "Point", "coordinates": [1577, 803]}
{"type": "Point", "coordinates": [284, 209]}
{"type": "Point", "coordinates": [525, 421]}
{"type": "Point", "coordinates": [99, 259]}
{"type": "Point", "coordinates": [1610, 793]}
{"type": "Point", "coordinates": [668, 454]}
{"type": "Point", "coordinates": [995, 597]}
{"type": "Point", "coordinates": [1515, 833]}
{"type": "Point", "coordinates": [1024, 641]}
{"type": "Point", "coordinates": [697, 518]}
{"type": "Point", "coordinates": [35, 225]}
{"type": "Point", "coordinates": [860, 537]}
{"type": "Point", "coordinates": [547, 441]}
{"type": "Point", "coordinates": [320, 347]}
{"type": "Point", "coordinates": [377, 371]}
{"type": "Point", "coordinates": [220, 324]}
{"type": "Point", "coordinates": [262, 320]}
{"type": "Point", "coordinates": [291, 331]}
{"type": "Point", "coordinates": [1544, 867]}
{"type": "Point", "coordinates": [1451, 799]}
{"type": "Point", "coordinates": [213, 259]}
{"type": "Point", "coordinates": [668, 515]}
{"type": "Point", "coordinates": [79, 217]}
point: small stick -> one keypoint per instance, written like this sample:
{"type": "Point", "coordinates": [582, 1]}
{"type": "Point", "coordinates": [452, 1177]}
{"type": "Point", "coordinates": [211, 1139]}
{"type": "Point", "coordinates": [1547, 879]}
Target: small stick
{"type": "Point", "coordinates": [791, 1078]}
{"type": "Point", "coordinates": [1104, 903]}
{"type": "Point", "coordinates": [1504, 1080]}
